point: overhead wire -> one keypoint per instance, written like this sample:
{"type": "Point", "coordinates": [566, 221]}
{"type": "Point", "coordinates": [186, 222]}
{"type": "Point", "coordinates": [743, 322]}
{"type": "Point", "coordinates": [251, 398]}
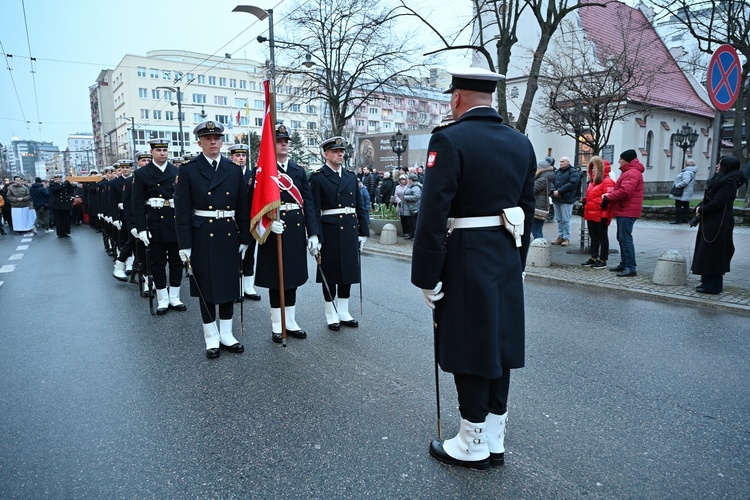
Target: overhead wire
{"type": "Point", "coordinates": [31, 64]}
{"type": "Point", "coordinates": [15, 87]}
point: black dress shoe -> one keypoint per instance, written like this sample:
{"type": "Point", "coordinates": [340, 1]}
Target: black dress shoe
{"type": "Point", "coordinates": [676, 222]}
{"type": "Point", "coordinates": [297, 334]}
{"type": "Point", "coordinates": [252, 296]}
{"type": "Point", "coordinates": [334, 327]}
{"type": "Point", "coordinates": [351, 323]}
{"type": "Point", "coordinates": [626, 274]}
{"type": "Point", "coordinates": [276, 337]}
{"type": "Point", "coordinates": [617, 269]}
{"type": "Point", "coordinates": [181, 307]}
{"type": "Point", "coordinates": [212, 353]}
{"type": "Point", "coordinates": [700, 289]}
{"type": "Point", "coordinates": [497, 459]}
{"type": "Point", "coordinates": [235, 348]}
{"type": "Point", "coordinates": [161, 311]}
{"type": "Point", "coordinates": [437, 452]}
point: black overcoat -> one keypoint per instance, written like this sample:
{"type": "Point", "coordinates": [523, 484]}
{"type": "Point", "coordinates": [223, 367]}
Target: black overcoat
{"type": "Point", "coordinates": [150, 182]}
{"type": "Point", "coordinates": [714, 246]}
{"type": "Point", "coordinates": [339, 233]}
{"type": "Point", "coordinates": [214, 242]}
{"type": "Point", "coordinates": [61, 195]}
{"type": "Point", "coordinates": [299, 225]}
{"type": "Point", "coordinates": [477, 166]}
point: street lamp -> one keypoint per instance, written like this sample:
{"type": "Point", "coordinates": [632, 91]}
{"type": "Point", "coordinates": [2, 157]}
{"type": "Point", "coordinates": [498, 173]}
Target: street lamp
{"type": "Point", "coordinates": [261, 14]}
{"type": "Point", "coordinates": [179, 113]}
{"type": "Point", "coordinates": [309, 63]}
{"type": "Point", "coordinates": [685, 138]}
{"type": "Point", "coordinates": [399, 143]}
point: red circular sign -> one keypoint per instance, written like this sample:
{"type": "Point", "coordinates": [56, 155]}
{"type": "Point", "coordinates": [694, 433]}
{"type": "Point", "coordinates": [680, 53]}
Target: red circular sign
{"type": "Point", "coordinates": [724, 77]}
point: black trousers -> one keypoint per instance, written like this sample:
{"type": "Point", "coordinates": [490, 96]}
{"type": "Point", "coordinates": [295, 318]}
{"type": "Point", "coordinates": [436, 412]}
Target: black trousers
{"type": "Point", "coordinates": [208, 311]}
{"type": "Point", "coordinates": [290, 297]}
{"type": "Point", "coordinates": [344, 291]}
{"type": "Point", "coordinates": [681, 211]}
{"type": "Point", "coordinates": [126, 250]}
{"type": "Point", "coordinates": [599, 239]}
{"type": "Point", "coordinates": [248, 263]}
{"type": "Point", "coordinates": [713, 282]}
{"type": "Point", "coordinates": [406, 224]}
{"type": "Point", "coordinates": [62, 222]}
{"type": "Point", "coordinates": [479, 396]}
{"type": "Point", "coordinates": [161, 253]}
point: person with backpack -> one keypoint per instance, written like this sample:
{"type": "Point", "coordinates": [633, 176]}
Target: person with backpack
{"type": "Point", "coordinates": [682, 192]}
{"type": "Point", "coordinates": [567, 182]}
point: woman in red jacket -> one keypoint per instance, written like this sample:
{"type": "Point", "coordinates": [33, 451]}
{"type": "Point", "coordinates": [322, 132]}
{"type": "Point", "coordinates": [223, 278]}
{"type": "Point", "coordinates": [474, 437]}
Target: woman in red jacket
{"type": "Point", "coordinates": [598, 219]}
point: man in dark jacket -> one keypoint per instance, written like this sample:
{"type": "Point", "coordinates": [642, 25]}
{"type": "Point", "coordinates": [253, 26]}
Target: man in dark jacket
{"type": "Point", "coordinates": [477, 268]}
{"type": "Point", "coordinates": [387, 189]}
{"type": "Point", "coordinates": [567, 179]}
{"type": "Point", "coordinates": [40, 197]}
{"type": "Point", "coordinates": [61, 203]}
{"type": "Point", "coordinates": [370, 181]}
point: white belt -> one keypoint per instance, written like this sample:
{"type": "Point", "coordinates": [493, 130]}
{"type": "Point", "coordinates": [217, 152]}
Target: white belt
{"type": "Point", "coordinates": [157, 203]}
{"type": "Point", "coordinates": [289, 206]}
{"type": "Point", "coordinates": [338, 211]}
{"type": "Point", "coordinates": [219, 214]}
{"type": "Point", "coordinates": [471, 222]}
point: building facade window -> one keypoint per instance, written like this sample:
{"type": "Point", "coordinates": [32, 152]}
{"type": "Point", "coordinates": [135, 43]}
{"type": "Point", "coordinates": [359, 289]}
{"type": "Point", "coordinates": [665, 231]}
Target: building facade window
{"type": "Point", "coordinates": [199, 98]}
{"type": "Point", "coordinates": [240, 102]}
{"type": "Point", "coordinates": [166, 75]}
{"type": "Point", "coordinates": [259, 122]}
{"type": "Point", "coordinates": [649, 147]}
{"type": "Point", "coordinates": [155, 94]}
{"type": "Point", "coordinates": [167, 95]}
{"type": "Point", "coordinates": [144, 114]}
{"type": "Point", "coordinates": [258, 104]}
{"type": "Point", "coordinates": [243, 84]}
{"type": "Point", "coordinates": [212, 80]}
{"type": "Point", "coordinates": [360, 123]}
{"type": "Point", "coordinates": [190, 77]}
{"type": "Point", "coordinates": [233, 83]}
{"type": "Point", "coordinates": [157, 114]}
{"type": "Point", "coordinates": [154, 74]}
{"type": "Point", "coordinates": [312, 109]}
{"type": "Point", "coordinates": [169, 115]}
{"type": "Point", "coordinates": [202, 79]}
{"type": "Point", "coordinates": [220, 100]}
{"type": "Point", "coordinates": [296, 124]}
{"type": "Point", "coordinates": [311, 141]}
{"type": "Point", "coordinates": [143, 93]}
{"type": "Point", "coordinates": [197, 118]}
{"type": "Point", "coordinates": [222, 81]}
{"type": "Point", "coordinates": [312, 126]}
{"type": "Point", "coordinates": [224, 119]}
{"type": "Point", "coordinates": [141, 72]}
{"type": "Point", "coordinates": [294, 108]}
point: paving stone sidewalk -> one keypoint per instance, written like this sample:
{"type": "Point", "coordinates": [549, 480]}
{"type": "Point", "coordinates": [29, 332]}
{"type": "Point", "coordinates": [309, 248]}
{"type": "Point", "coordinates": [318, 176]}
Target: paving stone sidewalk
{"type": "Point", "coordinates": [651, 239]}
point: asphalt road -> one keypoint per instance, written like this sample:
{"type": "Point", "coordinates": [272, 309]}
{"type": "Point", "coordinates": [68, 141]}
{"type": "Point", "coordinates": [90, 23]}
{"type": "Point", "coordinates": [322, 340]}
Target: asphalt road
{"type": "Point", "coordinates": [621, 398]}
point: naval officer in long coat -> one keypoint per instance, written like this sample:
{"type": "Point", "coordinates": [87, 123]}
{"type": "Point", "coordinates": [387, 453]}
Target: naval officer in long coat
{"type": "Point", "coordinates": [152, 196]}
{"type": "Point", "coordinates": [299, 228]}
{"type": "Point", "coordinates": [344, 229]}
{"type": "Point", "coordinates": [472, 275]}
{"type": "Point", "coordinates": [239, 154]}
{"type": "Point", "coordinates": [213, 230]}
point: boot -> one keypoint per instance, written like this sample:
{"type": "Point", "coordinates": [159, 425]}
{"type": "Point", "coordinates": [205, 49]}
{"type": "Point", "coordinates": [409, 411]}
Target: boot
{"type": "Point", "coordinates": [344, 316]}
{"type": "Point", "coordinates": [248, 287]}
{"type": "Point", "coordinates": [211, 336]}
{"type": "Point", "coordinates": [292, 328]}
{"type": "Point", "coordinates": [129, 265]}
{"type": "Point", "coordinates": [332, 317]}
{"type": "Point", "coordinates": [119, 272]}
{"type": "Point", "coordinates": [276, 324]}
{"type": "Point", "coordinates": [174, 299]}
{"type": "Point", "coordinates": [496, 438]}
{"type": "Point", "coordinates": [162, 301]}
{"type": "Point", "coordinates": [467, 449]}
{"type": "Point", "coordinates": [228, 341]}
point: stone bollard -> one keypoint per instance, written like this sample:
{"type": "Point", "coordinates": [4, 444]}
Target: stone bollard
{"type": "Point", "coordinates": [388, 235]}
{"type": "Point", "coordinates": [540, 254]}
{"type": "Point", "coordinates": [671, 269]}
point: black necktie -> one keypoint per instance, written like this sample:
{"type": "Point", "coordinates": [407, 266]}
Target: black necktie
{"type": "Point", "coordinates": [214, 164]}
{"type": "Point", "coordinates": [281, 168]}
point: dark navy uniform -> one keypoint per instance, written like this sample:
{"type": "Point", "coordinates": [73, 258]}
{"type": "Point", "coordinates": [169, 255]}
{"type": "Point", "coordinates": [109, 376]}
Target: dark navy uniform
{"type": "Point", "coordinates": [214, 241]}
{"type": "Point", "coordinates": [480, 318]}
{"type": "Point", "coordinates": [248, 262]}
{"type": "Point", "coordinates": [150, 184]}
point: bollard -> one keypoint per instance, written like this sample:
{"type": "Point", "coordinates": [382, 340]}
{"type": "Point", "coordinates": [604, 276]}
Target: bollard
{"type": "Point", "coordinates": [671, 269]}
{"type": "Point", "coordinates": [540, 254]}
{"type": "Point", "coordinates": [388, 235]}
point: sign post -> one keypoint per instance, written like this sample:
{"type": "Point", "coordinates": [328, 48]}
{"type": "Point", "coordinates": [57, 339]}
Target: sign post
{"type": "Point", "coordinates": [724, 83]}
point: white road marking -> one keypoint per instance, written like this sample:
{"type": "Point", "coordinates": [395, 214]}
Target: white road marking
{"type": "Point", "coordinates": [8, 268]}
{"type": "Point", "coordinates": [16, 256]}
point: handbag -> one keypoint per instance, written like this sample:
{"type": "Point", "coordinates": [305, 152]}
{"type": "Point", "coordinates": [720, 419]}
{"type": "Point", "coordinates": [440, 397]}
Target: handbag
{"type": "Point", "coordinates": [677, 192]}
{"type": "Point", "coordinates": [540, 214]}
{"type": "Point", "coordinates": [513, 219]}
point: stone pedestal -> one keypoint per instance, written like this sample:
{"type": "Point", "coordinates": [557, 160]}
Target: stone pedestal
{"type": "Point", "coordinates": [671, 269]}
{"type": "Point", "coordinates": [388, 235]}
{"type": "Point", "coordinates": [540, 254]}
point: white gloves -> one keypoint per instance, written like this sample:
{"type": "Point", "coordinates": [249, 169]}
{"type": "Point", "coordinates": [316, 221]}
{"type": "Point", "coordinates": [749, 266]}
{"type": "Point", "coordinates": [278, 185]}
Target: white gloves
{"type": "Point", "coordinates": [432, 296]}
{"type": "Point", "coordinates": [143, 235]}
{"type": "Point", "coordinates": [117, 224]}
{"type": "Point", "coordinates": [101, 216]}
{"type": "Point", "coordinates": [108, 219]}
{"type": "Point", "coordinates": [243, 249]}
{"type": "Point", "coordinates": [185, 254]}
{"type": "Point", "coordinates": [134, 232]}
{"type": "Point", "coordinates": [313, 245]}
{"type": "Point", "coordinates": [362, 240]}
{"type": "Point", "coordinates": [277, 227]}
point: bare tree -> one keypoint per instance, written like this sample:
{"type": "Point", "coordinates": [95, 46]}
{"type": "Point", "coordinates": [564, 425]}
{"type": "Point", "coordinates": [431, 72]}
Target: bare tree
{"type": "Point", "coordinates": [712, 24]}
{"type": "Point", "coordinates": [590, 86]}
{"type": "Point", "coordinates": [358, 51]}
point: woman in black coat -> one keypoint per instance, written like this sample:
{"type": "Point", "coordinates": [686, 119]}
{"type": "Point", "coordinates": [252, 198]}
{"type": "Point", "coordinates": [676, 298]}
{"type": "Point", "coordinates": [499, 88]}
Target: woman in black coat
{"type": "Point", "coordinates": [714, 247]}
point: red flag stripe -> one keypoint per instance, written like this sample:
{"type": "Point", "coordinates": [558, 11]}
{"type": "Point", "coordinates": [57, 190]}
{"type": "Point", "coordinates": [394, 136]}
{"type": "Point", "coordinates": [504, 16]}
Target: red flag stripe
{"type": "Point", "coordinates": [266, 194]}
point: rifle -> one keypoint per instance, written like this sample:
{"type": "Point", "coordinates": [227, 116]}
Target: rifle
{"type": "Point", "coordinates": [150, 281]}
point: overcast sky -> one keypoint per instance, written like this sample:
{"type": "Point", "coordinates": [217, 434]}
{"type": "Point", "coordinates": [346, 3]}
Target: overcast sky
{"type": "Point", "coordinates": [72, 41]}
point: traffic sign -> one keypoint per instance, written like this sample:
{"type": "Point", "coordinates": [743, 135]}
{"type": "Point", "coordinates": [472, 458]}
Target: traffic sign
{"type": "Point", "coordinates": [724, 77]}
